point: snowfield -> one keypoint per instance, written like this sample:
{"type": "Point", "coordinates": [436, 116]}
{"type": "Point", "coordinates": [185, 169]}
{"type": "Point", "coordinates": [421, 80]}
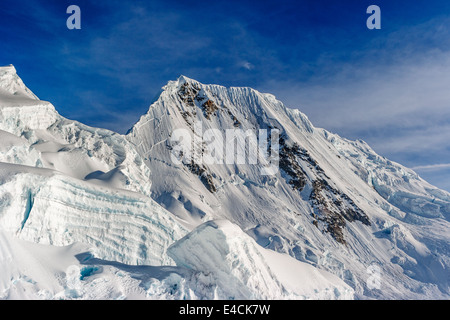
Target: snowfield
{"type": "Point", "coordinates": [242, 269]}
{"type": "Point", "coordinates": [86, 213]}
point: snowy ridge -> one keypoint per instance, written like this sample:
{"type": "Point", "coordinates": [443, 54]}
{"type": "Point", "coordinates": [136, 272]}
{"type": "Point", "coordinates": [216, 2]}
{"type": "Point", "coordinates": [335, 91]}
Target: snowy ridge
{"type": "Point", "coordinates": [400, 186]}
{"type": "Point", "coordinates": [12, 84]}
{"type": "Point", "coordinates": [68, 146]}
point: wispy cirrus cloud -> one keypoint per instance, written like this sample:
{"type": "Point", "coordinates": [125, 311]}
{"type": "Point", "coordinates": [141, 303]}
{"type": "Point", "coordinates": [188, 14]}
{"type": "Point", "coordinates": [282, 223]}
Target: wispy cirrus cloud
{"type": "Point", "coordinates": [394, 94]}
{"type": "Point", "coordinates": [433, 167]}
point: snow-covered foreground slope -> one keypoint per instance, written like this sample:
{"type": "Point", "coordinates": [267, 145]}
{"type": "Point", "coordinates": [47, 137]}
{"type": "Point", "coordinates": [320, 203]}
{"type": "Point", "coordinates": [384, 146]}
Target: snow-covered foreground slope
{"type": "Point", "coordinates": [42, 206]}
{"type": "Point", "coordinates": [243, 269]}
{"type": "Point", "coordinates": [86, 213]}
{"type": "Point", "coordinates": [209, 267]}
{"type": "Point", "coordinates": [38, 272]}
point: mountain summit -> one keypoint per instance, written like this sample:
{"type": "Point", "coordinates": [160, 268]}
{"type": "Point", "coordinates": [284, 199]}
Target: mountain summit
{"type": "Point", "coordinates": [214, 193]}
{"type": "Point", "coordinates": [12, 84]}
{"type": "Point", "coordinates": [333, 203]}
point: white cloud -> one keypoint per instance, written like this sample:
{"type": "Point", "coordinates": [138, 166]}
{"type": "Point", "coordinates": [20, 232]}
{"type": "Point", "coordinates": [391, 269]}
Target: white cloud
{"type": "Point", "coordinates": [247, 65]}
{"type": "Point", "coordinates": [432, 167]}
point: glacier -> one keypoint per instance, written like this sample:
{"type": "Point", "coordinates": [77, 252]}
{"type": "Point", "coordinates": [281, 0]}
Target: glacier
{"type": "Point", "coordinates": [87, 213]}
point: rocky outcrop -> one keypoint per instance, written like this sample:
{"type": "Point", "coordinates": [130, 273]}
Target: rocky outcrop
{"type": "Point", "coordinates": [332, 208]}
{"type": "Point", "coordinates": [203, 174]}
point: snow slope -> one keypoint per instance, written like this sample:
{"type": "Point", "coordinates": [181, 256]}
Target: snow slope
{"type": "Point", "coordinates": [243, 269]}
{"type": "Point", "coordinates": [121, 220]}
{"type": "Point", "coordinates": [36, 271]}
{"type": "Point", "coordinates": [40, 272]}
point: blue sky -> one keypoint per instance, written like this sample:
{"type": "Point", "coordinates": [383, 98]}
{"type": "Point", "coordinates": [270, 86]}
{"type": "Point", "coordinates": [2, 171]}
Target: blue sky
{"type": "Point", "coordinates": [389, 87]}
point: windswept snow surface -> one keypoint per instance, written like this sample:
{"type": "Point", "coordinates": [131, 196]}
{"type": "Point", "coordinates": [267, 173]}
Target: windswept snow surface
{"type": "Point", "coordinates": [40, 272]}
{"type": "Point", "coordinates": [42, 206]}
{"type": "Point", "coordinates": [86, 213]}
{"type": "Point", "coordinates": [215, 261]}
{"type": "Point", "coordinates": [243, 269]}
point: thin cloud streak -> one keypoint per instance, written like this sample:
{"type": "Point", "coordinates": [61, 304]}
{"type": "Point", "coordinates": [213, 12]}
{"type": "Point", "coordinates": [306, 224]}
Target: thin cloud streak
{"type": "Point", "coordinates": [433, 167]}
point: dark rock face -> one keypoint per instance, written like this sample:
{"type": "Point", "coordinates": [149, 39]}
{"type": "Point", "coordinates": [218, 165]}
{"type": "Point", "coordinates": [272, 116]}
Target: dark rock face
{"type": "Point", "coordinates": [332, 208]}
{"type": "Point", "coordinates": [203, 174]}
{"type": "Point", "coordinates": [189, 95]}
{"type": "Point", "coordinates": [290, 165]}
{"type": "Point", "coordinates": [209, 108]}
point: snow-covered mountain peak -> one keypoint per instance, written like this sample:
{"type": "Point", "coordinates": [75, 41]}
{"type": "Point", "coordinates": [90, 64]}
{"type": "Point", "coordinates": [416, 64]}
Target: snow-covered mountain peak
{"type": "Point", "coordinates": [183, 79]}
{"type": "Point", "coordinates": [9, 68]}
{"type": "Point", "coordinates": [328, 191]}
{"type": "Point", "coordinates": [11, 83]}
{"type": "Point", "coordinates": [21, 111]}
{"type": "Point", "coordinates": [332, 204]}
{"type": "Point", "coordinates": [213, 99]}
